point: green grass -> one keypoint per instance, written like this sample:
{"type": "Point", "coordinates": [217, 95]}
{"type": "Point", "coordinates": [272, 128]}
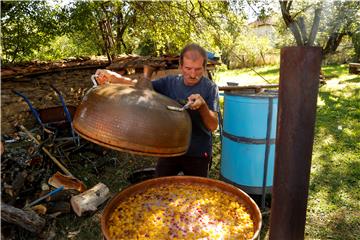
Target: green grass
{"type": "Point", "coordinates": [334, 193]}
{"type": "Point", "coordinates": [249, 76]}
{"type": "Point", "coordinates": [334, 201]}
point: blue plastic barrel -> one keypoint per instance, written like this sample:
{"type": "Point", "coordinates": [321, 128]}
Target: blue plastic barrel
{"type": "Point", "coordinates": [248, 140]}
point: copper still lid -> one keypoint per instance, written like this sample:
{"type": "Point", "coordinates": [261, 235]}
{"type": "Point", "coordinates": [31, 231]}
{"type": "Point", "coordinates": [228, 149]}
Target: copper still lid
{"type": "Point", "coordinates": [133, 119]}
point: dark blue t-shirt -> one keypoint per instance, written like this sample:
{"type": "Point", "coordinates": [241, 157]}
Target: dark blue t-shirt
{"type": "Point", "coordinates": [174, 87]}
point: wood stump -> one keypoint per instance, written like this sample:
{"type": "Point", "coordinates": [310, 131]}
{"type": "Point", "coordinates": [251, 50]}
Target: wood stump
{"type": "Point", "coordinates": [89, 200]}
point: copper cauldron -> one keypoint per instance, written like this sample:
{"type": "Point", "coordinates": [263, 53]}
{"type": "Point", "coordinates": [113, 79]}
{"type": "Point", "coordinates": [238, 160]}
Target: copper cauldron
{"type": "Point", "coordinates": [133, 119]}
{"type": "Point", "coordinates": [226, 188]}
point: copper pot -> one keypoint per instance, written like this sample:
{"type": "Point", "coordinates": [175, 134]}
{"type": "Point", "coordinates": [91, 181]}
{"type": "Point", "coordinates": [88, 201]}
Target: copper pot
{"type": "Point", "coordinates": [133, 119]}
{"type": "Point", "coordinates": [226, 188]}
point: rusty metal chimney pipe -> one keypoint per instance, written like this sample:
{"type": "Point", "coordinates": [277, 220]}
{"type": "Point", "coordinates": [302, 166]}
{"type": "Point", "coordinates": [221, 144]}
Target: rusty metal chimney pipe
{"type": "Point", "coordinates": [298, 89]}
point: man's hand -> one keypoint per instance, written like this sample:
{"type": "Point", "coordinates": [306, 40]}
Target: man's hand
{"type": "Point", "coordinates": [209, 117]}
{"type": "Point", "coordinates": [107, 76]}
{"type": "Point", "coordinates": [196, 101]}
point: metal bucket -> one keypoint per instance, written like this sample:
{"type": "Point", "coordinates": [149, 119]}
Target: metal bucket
{"type": "Point", "coordinates": [55, 114]}
{"type": "Point", "coordinates": [250, 205]}
{"type": "Point", "coordinates": [248, 143]}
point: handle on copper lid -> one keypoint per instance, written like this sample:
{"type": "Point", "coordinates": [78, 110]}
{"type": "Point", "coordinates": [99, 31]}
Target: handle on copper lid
{"type": "Point", "coordinates": [148, 71]}
{"type": "Point", "coordinates": [145, 83]}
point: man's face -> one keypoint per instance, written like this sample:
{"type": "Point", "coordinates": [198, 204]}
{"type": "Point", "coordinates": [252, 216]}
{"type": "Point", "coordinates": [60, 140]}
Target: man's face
{"type": "Point", "coordinates": [192, 68]}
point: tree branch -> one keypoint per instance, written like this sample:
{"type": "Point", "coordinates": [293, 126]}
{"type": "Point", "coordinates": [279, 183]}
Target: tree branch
{"type": "Point", "coordinates": [301, 24]}
{"type": "Point", "coordinates": [289, 21]}
{"type": "Point", "coordinates": [315, 27]}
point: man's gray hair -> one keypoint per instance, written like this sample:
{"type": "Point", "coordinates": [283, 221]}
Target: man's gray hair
{"type": "Point", "coordinates": [196, 48]}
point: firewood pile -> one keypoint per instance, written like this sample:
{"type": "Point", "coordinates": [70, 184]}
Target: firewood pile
{"type": "Point", "coordinates": [34, 192]}
{"type": "Point", "coordinates": [24, 175]}
{"type": "Point", "coordinates": [38, 67]}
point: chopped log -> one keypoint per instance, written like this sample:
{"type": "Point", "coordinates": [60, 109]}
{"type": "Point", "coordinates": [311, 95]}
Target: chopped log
{"type": "Point", "coordinates": [26, 219]}
{"type": "Point", "coordinates": [89, 200]}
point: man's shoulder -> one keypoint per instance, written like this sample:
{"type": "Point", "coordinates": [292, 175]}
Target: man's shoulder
{"type": "Point", "coordinates": [170, 77]}
{"type": "Point", "coordinates": [208, 83]}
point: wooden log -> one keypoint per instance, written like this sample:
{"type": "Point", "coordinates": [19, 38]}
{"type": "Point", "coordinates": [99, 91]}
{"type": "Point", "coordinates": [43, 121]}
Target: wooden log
{"type": "Point", "coordinates": [354, 68]}
{"type": "Point", "coordinates": [28, 219]}
{"type": "Point", "coordinates": [89, 200]}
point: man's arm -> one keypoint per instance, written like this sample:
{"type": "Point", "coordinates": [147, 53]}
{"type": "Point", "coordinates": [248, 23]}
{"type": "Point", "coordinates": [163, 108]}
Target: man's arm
{"type": "Point", "coordinates": [104, 75]}
{"type": "Point", "coordinates": [209, 117]}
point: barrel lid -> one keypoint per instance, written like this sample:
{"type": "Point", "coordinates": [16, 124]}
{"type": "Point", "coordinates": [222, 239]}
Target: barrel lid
{"type": "Point", "coordinates": [253, 94]}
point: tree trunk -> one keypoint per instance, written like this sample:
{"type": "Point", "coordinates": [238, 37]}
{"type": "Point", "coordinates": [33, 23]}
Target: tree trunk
{"type": "Point", "coordinates": [333, 42]}
{"type": "Point", "coordinates": [105, 29]}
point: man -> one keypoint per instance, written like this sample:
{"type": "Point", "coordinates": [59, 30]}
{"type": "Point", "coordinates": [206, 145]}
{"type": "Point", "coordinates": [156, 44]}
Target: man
{"type": "Point", "coordinates": [201, 95]}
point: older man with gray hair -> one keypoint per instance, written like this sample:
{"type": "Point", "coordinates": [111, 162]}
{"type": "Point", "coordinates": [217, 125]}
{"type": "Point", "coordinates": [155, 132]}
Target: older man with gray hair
{"type": "Point", "coordinates": [191, 87]}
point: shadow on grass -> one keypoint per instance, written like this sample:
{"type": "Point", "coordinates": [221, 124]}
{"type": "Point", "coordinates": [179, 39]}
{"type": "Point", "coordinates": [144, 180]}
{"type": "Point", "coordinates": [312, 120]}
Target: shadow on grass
{"type": "Point", "coordinates": [338, 175]}
{"type": "Point", "coordinates": [352, 80]}
{"type": "Point", "coordinates": [334, 70]}
{"type": "Point", "coordinates": [272, 70]}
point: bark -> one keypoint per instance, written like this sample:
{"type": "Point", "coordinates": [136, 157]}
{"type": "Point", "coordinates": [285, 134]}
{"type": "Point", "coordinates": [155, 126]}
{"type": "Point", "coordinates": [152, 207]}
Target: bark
{"type": "Point", "coordinates": [333, 42]}
{"type": "Point", "coordinates": [108, 42]}
{"type": "Point", "coordinates": [315, 26]}
{"type": "Point", "coordinates": [89, 200]}
{"type": "Point", "coordinates": [26, 219]}
{"type": "Point", "coordinates": [290, 22]}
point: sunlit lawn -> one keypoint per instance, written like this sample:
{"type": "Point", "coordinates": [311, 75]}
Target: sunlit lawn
{"type": "Point", "coordinates": [334, 194]}
{"type": "Point", "coordinates": [249, 76]}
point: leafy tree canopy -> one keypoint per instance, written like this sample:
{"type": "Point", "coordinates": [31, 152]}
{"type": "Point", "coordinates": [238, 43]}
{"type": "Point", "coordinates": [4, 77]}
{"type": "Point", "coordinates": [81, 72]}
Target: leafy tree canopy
{"type": "Point", "coordinates": [52, 29]}
{"type": "Point", "coordinates": [28, 26]}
